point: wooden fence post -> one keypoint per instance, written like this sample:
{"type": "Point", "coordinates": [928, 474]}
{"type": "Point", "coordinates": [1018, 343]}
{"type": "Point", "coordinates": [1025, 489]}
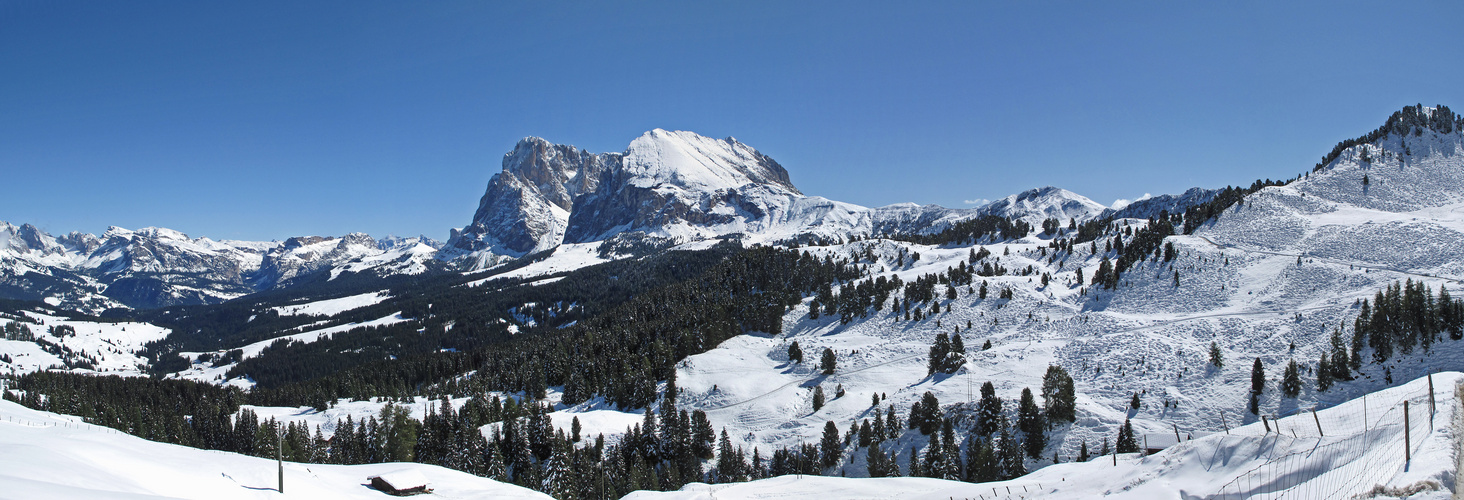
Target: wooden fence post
{"type": "Point", "coordinates": [1407, 441]}
{"type": "Point", "coordinates": [1319, 422]}
{"type": "Point", "coordinates": [1176, 433]}
{"type": "Point", "coordinates": [1265, 423]}
{"type": "Point", "coordinates": [1222, 422]}
{"type": "Point", "coordinates": [1431, 408]}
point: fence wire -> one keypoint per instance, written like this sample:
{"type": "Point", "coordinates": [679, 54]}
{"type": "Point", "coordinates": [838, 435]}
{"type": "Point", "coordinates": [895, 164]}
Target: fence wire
{"type": "Point", "coordinates": [1339, 454]}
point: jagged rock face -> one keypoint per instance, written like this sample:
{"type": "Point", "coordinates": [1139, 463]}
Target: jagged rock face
{"type": "Point", "coordinates": [549, 194]}
{"type": "Point", "coordinates": [527, 206]}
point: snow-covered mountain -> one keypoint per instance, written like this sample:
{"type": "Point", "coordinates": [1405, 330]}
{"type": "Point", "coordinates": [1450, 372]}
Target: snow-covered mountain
{"type": "Point", "coordinates": [1037, 205]}
{"type": "Point", "coordinates": [684, 187]}
{"type": "Point", "coordinates": [153, 267]}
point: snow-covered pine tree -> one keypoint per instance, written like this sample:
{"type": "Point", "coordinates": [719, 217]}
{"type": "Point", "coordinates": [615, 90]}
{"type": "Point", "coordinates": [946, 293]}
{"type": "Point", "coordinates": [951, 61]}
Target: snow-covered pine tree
{"type": "Point", "coordinates": [1010, 454]}
{"type": "Point", "coordinates": [988, 411]}
{"type": "Point", "coordinates": [1291, 380]}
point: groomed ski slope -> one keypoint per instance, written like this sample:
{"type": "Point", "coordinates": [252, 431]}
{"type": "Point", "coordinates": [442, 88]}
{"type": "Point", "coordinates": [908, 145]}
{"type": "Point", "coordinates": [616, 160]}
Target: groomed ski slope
{"type": "Point", "coordinates": [48, 456]}
{"type": "Point", "coordinates": [1349, 459]}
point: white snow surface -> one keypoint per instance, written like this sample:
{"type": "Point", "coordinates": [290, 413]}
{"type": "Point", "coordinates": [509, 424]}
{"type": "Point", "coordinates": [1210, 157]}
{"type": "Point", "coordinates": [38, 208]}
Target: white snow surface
{"type": "Point", "coordinates": [661, 158]}
{"type": "Point", "coordinates": [50, 456]}
{"type": "Point", "coordinates": [113, 346]}
{"type": "Point", "coordinates": [332, 307]}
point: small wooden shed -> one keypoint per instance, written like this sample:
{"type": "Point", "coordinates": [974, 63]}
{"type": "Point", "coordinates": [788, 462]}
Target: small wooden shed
{"type": "Point", "coordinates": [400, 483]}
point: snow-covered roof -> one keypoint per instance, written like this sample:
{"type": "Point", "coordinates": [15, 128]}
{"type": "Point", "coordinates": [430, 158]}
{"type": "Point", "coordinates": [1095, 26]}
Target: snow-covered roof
{"type": "Point", "coordinates": [404, 479]}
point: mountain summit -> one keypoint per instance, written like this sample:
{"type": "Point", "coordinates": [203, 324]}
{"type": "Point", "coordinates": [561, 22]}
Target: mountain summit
{"type": "Point", "coordinates": [548, 194]}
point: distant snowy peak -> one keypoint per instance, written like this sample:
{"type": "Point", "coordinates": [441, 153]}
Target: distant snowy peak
{"type": "Point", "coordinates": [1036, 205]}
{"type": "Point", "coordinates": [154, 267]}
{"type": "Point", "coordinates": [666, 183]}
{"type": "Point", "coordinates": [1152, 206]}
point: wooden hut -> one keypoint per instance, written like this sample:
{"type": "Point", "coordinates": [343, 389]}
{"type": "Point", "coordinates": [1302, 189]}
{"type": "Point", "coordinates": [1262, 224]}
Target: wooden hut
{"type": "Point", "coordinates": [400, 483]}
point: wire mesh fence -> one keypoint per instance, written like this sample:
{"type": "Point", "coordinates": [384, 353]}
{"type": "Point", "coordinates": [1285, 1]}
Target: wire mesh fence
{"type": "Point", "coordinates": [1345, 453]}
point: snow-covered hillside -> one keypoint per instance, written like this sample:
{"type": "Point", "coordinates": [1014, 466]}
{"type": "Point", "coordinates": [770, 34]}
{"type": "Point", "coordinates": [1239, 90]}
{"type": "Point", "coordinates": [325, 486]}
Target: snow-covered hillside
{"type": "Point", "coordinates": [1359, 452]}
{"type": "Point", "coordinates": [1270, 279]}
{"type": "Point", "coordinates": [60, 343]}
{"type": "Point", "coordinates": [49, 456]}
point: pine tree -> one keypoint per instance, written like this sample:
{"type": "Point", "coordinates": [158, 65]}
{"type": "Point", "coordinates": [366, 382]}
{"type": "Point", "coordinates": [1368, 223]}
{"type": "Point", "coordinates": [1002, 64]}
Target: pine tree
{"type": "Point", "coordinates": [1032, 425]}
{"type": "Point", "coordinates": [1083, 452]}
{"type": "Point", "coordinates": [1324, 374]}
{"type": "Point", "coordinates": [1059, 395]}
{"type": "Point", "coordinates": [874, 461]}
{"type": "Point", "coordinates": [1258, 377]}
{"type": "Point", "coordinates": [1126, 441]}
{"type": "Point", "coordinates": [930, 414]}
{"type": "Point", "coordinates": [1012, 463]}
{"type": "Point", "coordinates": [957, 356]}
{"type": "Point", "coordinates": [818, 398]}
{"type": "Point", "coordinates": [981, 462]}
{"type": "Point", "coordinates": [988, 411]}
{"type": "Point", "coordinates": [1291, 380]}
{"type": "Point", "coordinates": [795, 354]}
{"type": "Point", "coordinates": [828, 362]}
{"type": "Point", "coordinates": [938, 353]}
{"type": "Point", "coordinates": [1339, 362]}
{"type": "Point", "coordinates": [892, 423]}
{"type": "Point", "coordinates": [829, 446]}
{"type": "Point", "coordinates": [1216, 358]}
{"type": "Point", "coordinates": [1135, 403]}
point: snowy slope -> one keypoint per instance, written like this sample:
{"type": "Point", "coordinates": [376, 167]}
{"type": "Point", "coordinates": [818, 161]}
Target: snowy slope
{"type": "Point", "coordinates": [110, 348]}
{"type": "Point", "coordinates": [332, 307]}
{"type": "Point", "coordinates": [1354, 456]}
{"type": "Point", "coordinates": [49, 456]}
{"type": "Point", "coordinates": [1240, 287]}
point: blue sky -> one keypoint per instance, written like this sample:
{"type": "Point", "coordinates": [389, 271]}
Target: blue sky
{"type": "Point", "coordinates": [260, 120]}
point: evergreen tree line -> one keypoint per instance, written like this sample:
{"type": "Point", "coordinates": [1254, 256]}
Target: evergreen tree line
{"type": "Point", "coordinates": [618, 355]}
{"type": "Point", "coordinates": [1411, 120]}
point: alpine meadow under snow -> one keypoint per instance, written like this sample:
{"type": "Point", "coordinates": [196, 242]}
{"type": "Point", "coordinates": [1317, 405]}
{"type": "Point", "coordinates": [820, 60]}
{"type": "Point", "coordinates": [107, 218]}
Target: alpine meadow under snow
{"type": "Point", "coordinates": [678, 320]}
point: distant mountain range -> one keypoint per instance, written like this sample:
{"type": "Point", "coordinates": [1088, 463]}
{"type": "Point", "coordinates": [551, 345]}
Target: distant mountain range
{"type": "Point", "coordinates": [666, 188]}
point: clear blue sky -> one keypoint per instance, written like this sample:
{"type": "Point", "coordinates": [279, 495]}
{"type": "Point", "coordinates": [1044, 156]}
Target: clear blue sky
{"type": "Point", "coordinates": [258, 120]}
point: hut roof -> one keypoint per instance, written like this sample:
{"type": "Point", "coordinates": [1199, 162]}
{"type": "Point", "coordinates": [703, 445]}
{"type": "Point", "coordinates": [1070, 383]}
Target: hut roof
{"type": "Point", "coordinates": [404, 479]}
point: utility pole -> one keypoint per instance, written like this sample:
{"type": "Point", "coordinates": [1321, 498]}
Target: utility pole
{"type": "Point", "coordinates": [280, 455]}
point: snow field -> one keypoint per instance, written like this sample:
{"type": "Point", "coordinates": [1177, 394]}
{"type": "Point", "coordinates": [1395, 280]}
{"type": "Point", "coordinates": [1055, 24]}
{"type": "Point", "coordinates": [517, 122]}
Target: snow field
{"type": "Point", "coordinates": [114, 346]}
{"type": "Point", "coordinates": [50, 456]}
{"type": "Point", "coordinates": [332, 307]}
